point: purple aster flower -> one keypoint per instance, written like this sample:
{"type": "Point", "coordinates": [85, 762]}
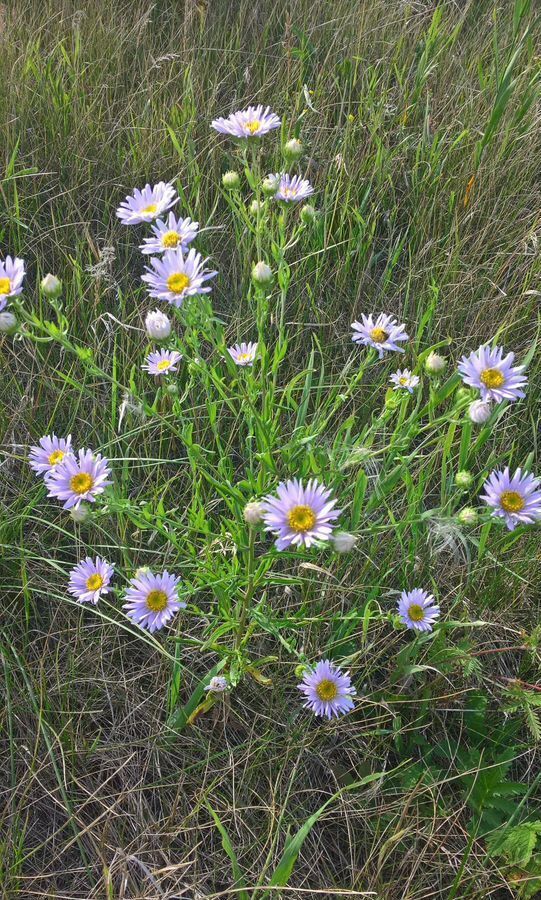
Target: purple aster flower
{"type": "Point", "coordinates": [290, 189]}
{"type": "Point", "coordinates": [175, 276]}
{"type": "Point", "coordinates": [418, 609]}
{"type": "Point", "coordinates": [299, 515]}
{"type": "Point", "coordinates": [328, 690]}
{"type": "Point", "coordinates": [493, 373]}
{"type": "Point", "coordinates": [75, 480]}
{"type": "Point", "coordinates": [12, 274]}
{"type": "Point", "coordinates": [170, 235]}
{"type": "Point", "coordinates": [148, 204]}
{"type": "Point", "coordinates": [161, 362]}
{"type": "Point", "coordinates": [247, 123]}
{"type": "Point", "coordinates": [243, 354]}
{"type": "Point", "coordinates": [404, 380]}
{"type": "Point", "coordinates": [50, 452]}
{"type": "Point", "coordinates": [90, 579]}
{"type": "Point", "coordinates": [381, 333]}
{"type": "Point", "coordinates": [152, 600]}
{"type": "Point", "coordinates": [515, 499]}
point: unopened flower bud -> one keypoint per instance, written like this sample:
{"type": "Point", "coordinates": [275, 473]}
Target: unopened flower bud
{"type": "Point", "coordinates": [261, 273]}
{"type": "Point", "coordinates": [253, 512]}
{"type": "Point", "coordinates": [256, 207]}
{"type": "Point", "coordinates": [468, 516]}
{"type": "Point", "coordinates": [300, 670]}
{"type": "Point", "coordinates": [343, 542]}
{"type": "Point", "coordinates": [351, 117]}
{"type": "Point", "coordinates": [463, 393]}
{"type": "Point", "coordinates": [142, 570]}
{"type": "Point", "coordinates": [158, 325]}
{"type": "Point", "coordinates": [217, 684]}
{"type": "Point", "coordinates": [463, 479]}
{"type": "Point", "coordinates": [308, 214]}
{"type": "Point", "coordinates": [479, 411]}
{"type": "Point", "coordinates": [269, 185]}
{"type": "Point", "coordinates": [8, 322]}
{"type": "Point", "coordinates": [51, 286]}
{"type": "Point", "coordinates": [435, 364]}
{"type": "Point", "coordinates": [293, 150]}
{"type": "Point", "coordinates": [231, 180]}
{"type": "Point", "coordinates": [80, 513]}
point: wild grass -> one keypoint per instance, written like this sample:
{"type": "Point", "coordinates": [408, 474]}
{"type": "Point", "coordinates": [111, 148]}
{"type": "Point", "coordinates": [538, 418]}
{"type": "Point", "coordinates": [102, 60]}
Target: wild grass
{"type": "Point", "coordinates": [420, 123]}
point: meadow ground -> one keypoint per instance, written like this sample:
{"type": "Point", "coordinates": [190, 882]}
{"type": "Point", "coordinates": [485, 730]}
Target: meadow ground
{"type": "Point", "coordinates": [122, 776]}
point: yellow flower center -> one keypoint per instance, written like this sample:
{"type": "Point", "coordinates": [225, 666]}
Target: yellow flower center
{"type": "Point", "coordinates": [157, 601]}
{"type": "Point", "coordinates": [326, 690]}
{"type": "Point", "coordinates": [290, 192]}
{"type": "Point", "coordinates": [245, 356]}
{"type": "Point", "coordinates": [416, 612]}
{"type": "Point", "coordinates": [94, 582]}
{"type": "Point", "coordinates": [403, 381]}
{"type": "Point", "coordinates": [253, 126]}
{"type": "Point", "coordinates": [171, 239]}
{"type": "Point", "coordinates": [178, 282]}
{"type": "Point", "coordinates": [379, 335]}
{"type": "Point", "coordinates": [56, 456]}
{"type": "Point", "coordinates": [81, 483]}
{"type": "Point", "coordinates": [5, 285]}
{"type": "Point", "coordinates": [151, 208]}
{"type": "Point", "coordinates": [492, 378]}
{"type": "Point", "coordinates": [301, 518]}
{"type": "Point", "coordinates": [163, 365]}
{"type": "Point", "coordinates": [512, 501]}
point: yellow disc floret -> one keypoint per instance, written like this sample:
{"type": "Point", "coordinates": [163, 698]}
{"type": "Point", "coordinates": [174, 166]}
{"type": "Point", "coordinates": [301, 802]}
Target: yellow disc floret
{"type": "Point", "coordinates": [253, 126]}
{"type": "Point", "coordinates": [151, 208]}
{"type": "Point", "coordinates": [163, 365]}
{"type": "Point", "coordinates": [171, 239]}
{"type": "Point", "coordinates": [94, 582]}
{"type": "Point", "coordinates": [56, 457]}
{"type": "Point", "coordinates": [416, 612]}
{"type": "Point", "coordinates": [81, 483]}
{"type": "Point", "coordinates": [326, 690]}
{"type": "Point", "coordinates": [5, 285]}
{"type": "Point", "coordinates": [379, 335]}
{"type": "Point", "coordinates": [301, 518]}
{"type": "Point", "coordinates": [157, 601]}
{"type": "Point", "coordinates": [492, 378]}
{"type": "Point", "coordinates": [512, 501]}
{"type": "Point", "coordinates": [178, 282]}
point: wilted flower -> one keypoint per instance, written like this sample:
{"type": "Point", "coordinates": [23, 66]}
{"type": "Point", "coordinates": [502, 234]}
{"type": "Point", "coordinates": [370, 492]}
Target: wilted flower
{"type": "Point", "coordinates": [51, 286]}
{"type": "Point", "coordinates": [12, 274]}
{"type": "Point", "coordinates": [148, 204]}
{"type": "Point", "coordinates": [261, 273]}
{"type": "Point", "coordinates": [247, 123]}
{"type": "Point", "coordinates": [50, 452]}
{"type": "Point", "coordinates": [217, 684]}
{"type": "Point", "coordinates": [418, 609]}
{"type": "Point", "coordinates": [516, 499]}
{"type": "Point", "coordinates": [8, 322]}
{"type": "Point", "coordinates": [231, 180]}
{"type": "Point", "coordinates": [495, 375]}
{"type": "Point", "coordinates": [293, 149]}
{"type": "Point", "coordinates": [161, 362]}
{"type": "Point", "coordinates": [175, 276]}
{"type": "Point", "coordinates": [435, 364]}
{"type": "Point", "coordinates": [383, 333]}
{"type": "Point", "coordinates": [170, 235]}
{"type": "Point", "coordinates": [90, 579]}
{"type": "Point", "coordinates": [253, 512]}
{"type": "Point", "coordinates": [328, 690]}
{"type": "Point", "coordinates": [152, 600]}
{"type": "Point", "coordinates": [243, 354]}
{"type": "Point", "coordinates": [468, 516]}
{"type": "Point", "coordinates": [463, 479]}
{"type": "Point", "coordinates": [158, 325]}
{"type": "Point", "coordinates": [343, 542]}
{"type": "Point", "coordinates": [480, 411]}
{"type": "Point", "coordinates": [75, 480]}
{"type": "Point", "coordinates": [404, 380]}
{"type": "Point", "coordinates": [291, 189]}
{"type": "Point", "coordinates": [300, 515]}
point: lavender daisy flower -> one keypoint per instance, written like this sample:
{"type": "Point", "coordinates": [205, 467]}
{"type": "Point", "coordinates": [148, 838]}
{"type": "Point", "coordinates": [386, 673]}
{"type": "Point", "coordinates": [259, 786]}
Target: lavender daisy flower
{"type": "Point", "coordinates": [161, 362]}
{"type": "Point", "coordinates": [152, 600]}
{"type": "Point", "coordinates": [12, 274]}
{"type": "Point", "coordinates": [404, 380]}
{"type": "Point", "coordinates": [170, 235]}
{"type": "Point", "coordinates": [328, 690]}
{"type": "Point", "coordinates": [148, 204]}
{"type": "Point", "coordinates": [516, 499]}
{"type": "Point", "coordinates": [493, 373]}
{"type": "Point", "coordinates": [247, 123]}
{"type": "Point", "coordinates": [175, 276]}
{"type": "Point", "coordinates": [243, 354]}
{"type": "Point", "coordinates": [90, 579]}
{"type": "Point", "coordinates": [291, 189]}
{"type": "Point", "coordinates": [382, 333]}
{"type": "Point", "coordinates": [50, 452]}
{"type": "Point", "coordinates": [299, 515]}
{"type": "Point", "coordinates": [418, 609]}
{"type": "Point", "coordinates": [75, 480]}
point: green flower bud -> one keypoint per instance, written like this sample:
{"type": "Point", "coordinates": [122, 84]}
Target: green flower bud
{"type": "Point", "coordinates": [231, 180]}
{"type": "Point", "coordinates": [463, 479]}
{"type": "Point", "coordinates": [51, 286]}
